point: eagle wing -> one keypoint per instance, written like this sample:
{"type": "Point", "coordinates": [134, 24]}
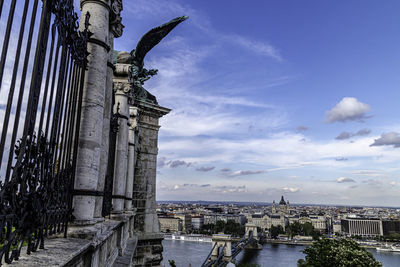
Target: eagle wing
{"type": "Point", "coordinates": [153, 37]}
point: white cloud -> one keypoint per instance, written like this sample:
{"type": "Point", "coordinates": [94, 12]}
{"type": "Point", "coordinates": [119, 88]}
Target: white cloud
{"type": "Point", "coordinates": [348, 109]}
{"type": "Point", "coordinates": [388, 139]}
{"type": "Point", "coordinates": [373, 173]}
{"type": "Point", "coordinates": [247, 172]}
{"type": "Point", "coordinates": [347, 135]}
{"type": "Point", "coordinates": [291, 189]}
{"type": "Point", "coordinates": [205, 169]}
{"type": "Point", "coordinates": [345, 180]}
{"type": "Point", "coordinates": [202, 188]}
{"type": "Point", "coordinates": [280, 150]}
{"type": "Point", "coordinates": [261, 48]}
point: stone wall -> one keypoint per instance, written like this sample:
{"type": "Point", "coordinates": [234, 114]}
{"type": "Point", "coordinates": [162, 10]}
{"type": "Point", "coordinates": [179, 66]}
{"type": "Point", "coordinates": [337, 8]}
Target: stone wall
{"type": "Point", "coordinates": [149, 250]}
{"type": "Point", "coordinates": [104, 244]}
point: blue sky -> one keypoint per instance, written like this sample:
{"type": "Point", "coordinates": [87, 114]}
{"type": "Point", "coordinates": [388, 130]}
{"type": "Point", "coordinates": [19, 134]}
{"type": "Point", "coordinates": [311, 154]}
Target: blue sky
{"type": "Point", "coordinates": [275, 97]}
{"type": "Point", "coordinates": [298, 98]}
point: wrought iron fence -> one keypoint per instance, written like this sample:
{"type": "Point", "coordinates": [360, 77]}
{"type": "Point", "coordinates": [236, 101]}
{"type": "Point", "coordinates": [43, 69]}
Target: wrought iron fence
{"type": "Point", "coordinates": [42, 68]}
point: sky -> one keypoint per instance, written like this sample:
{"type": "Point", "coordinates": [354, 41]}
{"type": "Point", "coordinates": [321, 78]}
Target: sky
{"type": "Point", "coordinates": [271, 98]}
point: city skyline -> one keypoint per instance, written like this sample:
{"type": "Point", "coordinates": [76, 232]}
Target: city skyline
{"type": "Point", "coordinates": [275, 98]}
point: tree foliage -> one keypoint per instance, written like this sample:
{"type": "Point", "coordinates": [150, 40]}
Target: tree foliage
{"type": "Point", "coordinates": [276, 230]}
{"type": "Point", "coordinates": [337, 253]}
{"type": "Point", "coordinates": [230, 227]}
{"type": "Point", "coordinates": [304, 229]}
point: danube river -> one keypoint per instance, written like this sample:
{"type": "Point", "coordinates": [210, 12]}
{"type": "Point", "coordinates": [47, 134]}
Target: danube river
{"type": "Point", "coordinates": [194, 253]}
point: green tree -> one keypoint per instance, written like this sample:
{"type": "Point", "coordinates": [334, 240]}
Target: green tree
{"type": "Point", "coordinates": [219, 227]}
{"type": "Point", "coordinates": [172, 263]}
{"type": "Point", "coordinates": [295, 228]}
{"type": "Point", "coordinates": [337, 253]}
{"type": "Point", "coordinates": [234, 228]}
{"type": "Point", "coordinates": [275, 231]}
{"type": "Point", "coordinates": [307, 229]}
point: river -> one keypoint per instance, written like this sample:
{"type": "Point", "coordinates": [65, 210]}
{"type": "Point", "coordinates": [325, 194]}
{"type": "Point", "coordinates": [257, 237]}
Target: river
{"type": "Point", "coordinates": [194, 253]}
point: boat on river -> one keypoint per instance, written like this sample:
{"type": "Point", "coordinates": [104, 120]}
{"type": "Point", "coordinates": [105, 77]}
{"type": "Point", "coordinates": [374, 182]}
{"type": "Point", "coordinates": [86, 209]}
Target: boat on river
{"type": "Point", "coordinates": [387, 248]}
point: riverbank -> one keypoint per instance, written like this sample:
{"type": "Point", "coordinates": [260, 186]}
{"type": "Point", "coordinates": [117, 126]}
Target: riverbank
{"type": "Point", "coordinates": [188, 238]}
{"type": "Point", "coordinates": [289, 242]}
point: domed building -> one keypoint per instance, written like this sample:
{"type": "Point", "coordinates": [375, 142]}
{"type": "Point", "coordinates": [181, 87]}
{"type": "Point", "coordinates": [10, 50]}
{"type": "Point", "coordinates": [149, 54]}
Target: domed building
{"type": "Point", "coordinates": [284, 207]}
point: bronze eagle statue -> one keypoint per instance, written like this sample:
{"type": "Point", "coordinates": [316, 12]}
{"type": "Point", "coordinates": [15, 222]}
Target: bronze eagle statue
{"type": "Point", "coordinates": [137, 55]}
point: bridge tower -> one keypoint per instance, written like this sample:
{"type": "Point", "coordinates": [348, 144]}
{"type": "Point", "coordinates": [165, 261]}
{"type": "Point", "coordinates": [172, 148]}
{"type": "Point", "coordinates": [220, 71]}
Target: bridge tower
{"type": "Point", "coordinates": [224, 241]}
{"type": "Point", "coordinates": [251, 230]}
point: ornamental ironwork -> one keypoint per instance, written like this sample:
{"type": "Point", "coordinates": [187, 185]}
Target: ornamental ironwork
{"type": "Point", "coordinates": [42, 111]}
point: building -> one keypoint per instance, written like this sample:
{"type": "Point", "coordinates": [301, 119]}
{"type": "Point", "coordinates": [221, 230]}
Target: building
{"type": "Point", "coordinates": [275, 220]}
{"type": "Point", "coordinates": [337, 228]}
{"type": "Point", "coordinates": [170, 224]}
{"type": "Point", "coordinates": [266, 221]}
{"type": "Point", "coordinates": [362, 226]}
{"type": "Point", "coordinates": [186, 222]}
{"type": "Point", "coordinates": [213, 218]}
{"type": "Point", "coordinates": [258, 220]}
{"type": "Point", "coordinates": [197, 222]}
{"type": "Point", "coordinates": [390, 226]}
{"type": "Point", "coordinates": [283, 208]}
{"type": "Point", "coordinates": [319, 223]}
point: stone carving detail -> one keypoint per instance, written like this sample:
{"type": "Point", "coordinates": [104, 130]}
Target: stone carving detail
{"type": "Point", "coordinates": [121, 87]}
{"type": "Point", "coordinates": [116, 26]}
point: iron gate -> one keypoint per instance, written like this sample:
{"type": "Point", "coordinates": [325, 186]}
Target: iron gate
{"type": "Point", "coordinates": [42, 68]}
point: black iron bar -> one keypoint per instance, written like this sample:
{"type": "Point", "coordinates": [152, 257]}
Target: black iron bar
{"type": "Point", "coordinates": [62, 110]}
{"type": "Point", "coordinates": [69, 124]}
{"type": "Point", "coordinates": [58, 105]}
{"type": "Point", "coordinates": [21, 91]}
{"type": "Point", "coordinates": [6, 40]}
{"type": "Point", "coordinates": [66, 118]}
{"type": "Point", "coordinates": [53, 81]}
{"type": "Point", "coordinates": [37, 74]}
{"type": "Point", "coordinates": [1, 7]}
{"type": "Point", "coordinates": [13, 81]}
{"type": "Point", "coordinates": [48, 74]}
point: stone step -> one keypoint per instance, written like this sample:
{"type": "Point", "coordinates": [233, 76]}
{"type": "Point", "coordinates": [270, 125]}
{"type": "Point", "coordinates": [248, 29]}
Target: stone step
{"type": "Point", "coordinates": [126, 259]}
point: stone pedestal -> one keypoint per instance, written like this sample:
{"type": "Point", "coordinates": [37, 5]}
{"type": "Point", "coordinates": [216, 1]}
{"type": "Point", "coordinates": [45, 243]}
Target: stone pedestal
{"type": "Point", "coordinates": [144, 189]}
{"type": "Point", "coordinates": [90, 135]}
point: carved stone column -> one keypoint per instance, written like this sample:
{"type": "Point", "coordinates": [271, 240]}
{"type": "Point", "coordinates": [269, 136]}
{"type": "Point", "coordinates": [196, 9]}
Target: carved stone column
{"type": "Point", "coordinates": [149, 248]}
{"type": "Point", "coordinates": [122, 89]}
{"type": "Point", "coordinates": [115, 31]}
{"type": "Point", "coordinates": [90, 136]}
{"type": "Point", "coordinates": [131, 158]}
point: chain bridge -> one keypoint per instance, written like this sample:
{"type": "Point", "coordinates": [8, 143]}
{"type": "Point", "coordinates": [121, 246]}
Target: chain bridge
{"type": "Point", "coordinates": [223, 251]}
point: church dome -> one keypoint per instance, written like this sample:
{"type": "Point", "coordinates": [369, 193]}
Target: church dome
{"type": "Point", "coordinates": [282, 202]}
